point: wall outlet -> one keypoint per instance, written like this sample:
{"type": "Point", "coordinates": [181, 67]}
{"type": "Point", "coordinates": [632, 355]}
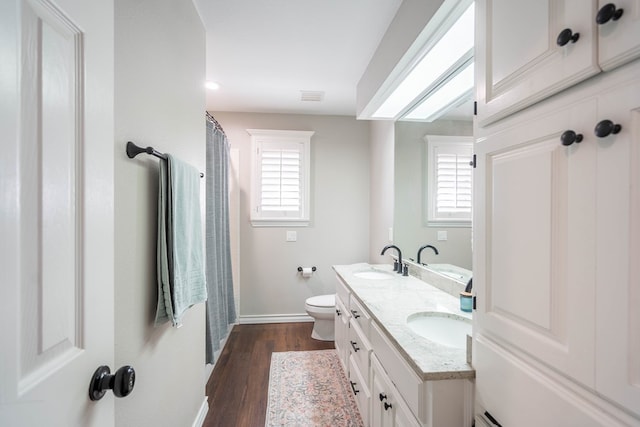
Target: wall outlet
{"type": "Point", "coordinates": [292, 236]}
{"type": "Point", "coordinates": [442, 235]}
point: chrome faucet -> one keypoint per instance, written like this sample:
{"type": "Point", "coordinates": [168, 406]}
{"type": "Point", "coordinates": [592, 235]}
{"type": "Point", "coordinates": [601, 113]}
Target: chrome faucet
{"type": "Point", "coordinates": [424, 247]}
{"type": "Point", "coordinates": [397, 266]}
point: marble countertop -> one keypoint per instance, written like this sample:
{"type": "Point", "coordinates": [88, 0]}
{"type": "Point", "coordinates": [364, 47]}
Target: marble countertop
{"type": "Point", "coordinates": [390, 302]}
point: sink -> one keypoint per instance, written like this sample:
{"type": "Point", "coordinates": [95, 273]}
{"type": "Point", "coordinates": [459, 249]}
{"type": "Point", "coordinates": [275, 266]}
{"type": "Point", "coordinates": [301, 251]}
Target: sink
{"type": "Point", "coordinates": [447, 329]}
{"type": "Point", "coordinates": [374, 274]}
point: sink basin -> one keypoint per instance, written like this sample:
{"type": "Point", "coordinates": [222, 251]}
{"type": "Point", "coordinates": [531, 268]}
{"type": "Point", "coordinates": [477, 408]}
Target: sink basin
{"type": "Point", "coordinates": [374, 275]}
{"type": "Point", "coordinates": [443, 328]}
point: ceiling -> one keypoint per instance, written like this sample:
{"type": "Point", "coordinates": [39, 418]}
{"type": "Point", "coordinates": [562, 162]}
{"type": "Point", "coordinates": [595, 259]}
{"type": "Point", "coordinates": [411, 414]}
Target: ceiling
{"type": "Point", "coordinates": [263, 53]}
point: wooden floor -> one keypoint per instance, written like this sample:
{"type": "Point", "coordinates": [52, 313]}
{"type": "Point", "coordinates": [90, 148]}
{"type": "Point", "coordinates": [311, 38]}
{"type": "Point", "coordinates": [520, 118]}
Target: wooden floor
{"type": "Point", "coordinates": [238, 385]}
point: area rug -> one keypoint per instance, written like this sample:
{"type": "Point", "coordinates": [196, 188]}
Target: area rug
{"type": "Point", "coordinates": [309, 388]}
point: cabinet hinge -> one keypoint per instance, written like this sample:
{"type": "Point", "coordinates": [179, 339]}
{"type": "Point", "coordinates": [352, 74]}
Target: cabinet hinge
{"type": "Point", "coordinates": [475, 108]}
{"type": "Point", "coordinates": [473, 162]}
{"type": "Point", "coordinates": [474, 302]}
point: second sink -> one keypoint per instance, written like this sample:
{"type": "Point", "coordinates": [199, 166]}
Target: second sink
{"type": "Point", "coordinates": [442, 328]}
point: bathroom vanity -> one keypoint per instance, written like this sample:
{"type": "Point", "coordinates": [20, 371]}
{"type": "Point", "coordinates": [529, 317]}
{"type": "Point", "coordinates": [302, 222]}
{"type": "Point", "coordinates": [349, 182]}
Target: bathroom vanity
{"type": "Point", "coordinates": [401, 371]}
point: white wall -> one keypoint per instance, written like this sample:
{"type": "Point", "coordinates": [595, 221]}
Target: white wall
{"type": "Point", "coordinates": [270, 284]}
{"type": "Point", "coordinates": [159, 101]}
{"type": "Point", "coordinates": [381, 181]}
{"type": "Point", "coordinates": [410, 232]}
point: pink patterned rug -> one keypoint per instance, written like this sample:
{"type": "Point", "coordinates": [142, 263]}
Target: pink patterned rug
{"type": "Point", "coordinates": [309, 388]}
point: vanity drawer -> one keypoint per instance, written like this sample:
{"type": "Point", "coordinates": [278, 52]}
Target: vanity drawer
{"type": "Point", "coordinates": [360, 349]}
{"type": "Point", "coordinates": [410, 386]}
{"type": "Point", "coordinates": [360, 315]}
{"type": "Point", "coordinates": [360, 389]}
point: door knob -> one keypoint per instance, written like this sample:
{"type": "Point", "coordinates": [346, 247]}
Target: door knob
{"type": "Point", "coordinates": [121, 382]}
{"type": "Point", "coordinates": [606, 128]}
{"type": "Point", "coordinates": [567, 36]}
{"type": "Point", "coordinates": [608, 12]}
{"type": "Point", "coordinates": [569, 137]}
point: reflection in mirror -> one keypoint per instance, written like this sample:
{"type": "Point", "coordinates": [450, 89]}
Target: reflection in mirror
{"type": "Point", "coordinates": [411, 230]}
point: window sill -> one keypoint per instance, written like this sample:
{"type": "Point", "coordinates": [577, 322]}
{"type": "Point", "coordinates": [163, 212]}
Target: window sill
{"type": "Point", "coordinates": [279, 223]}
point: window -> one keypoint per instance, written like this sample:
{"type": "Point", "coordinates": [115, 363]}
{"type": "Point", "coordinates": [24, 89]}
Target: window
{"type": "Point", "coordinates": [449, 186]}
{"type": "Point", "coordinates": [280, 177]}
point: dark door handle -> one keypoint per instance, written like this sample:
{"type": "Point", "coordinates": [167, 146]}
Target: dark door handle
{"type": "Point", "coordinates": [606, 128]}
{"type": "Point", "coordinates": [607, 13]}
{"type": "Point", "coordinates": [121, 382]}
{"type": "Point", "coordinates": [567, 36]}
{"type": "Point", "coordinates": [569, 137]}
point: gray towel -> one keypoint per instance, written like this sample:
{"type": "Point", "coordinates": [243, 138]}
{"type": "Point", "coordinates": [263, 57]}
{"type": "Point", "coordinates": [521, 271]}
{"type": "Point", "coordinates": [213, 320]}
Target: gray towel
{"type": "Point", "coordinates": [180, 258]}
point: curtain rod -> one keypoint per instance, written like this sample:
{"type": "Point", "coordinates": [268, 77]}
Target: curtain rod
{"type": "Point", "coordinates": [215, 123]}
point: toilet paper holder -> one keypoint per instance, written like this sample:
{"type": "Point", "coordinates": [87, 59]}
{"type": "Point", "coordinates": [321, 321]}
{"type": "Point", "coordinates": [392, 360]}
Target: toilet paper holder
{"type": "Point", "coordinates": [312, 268]}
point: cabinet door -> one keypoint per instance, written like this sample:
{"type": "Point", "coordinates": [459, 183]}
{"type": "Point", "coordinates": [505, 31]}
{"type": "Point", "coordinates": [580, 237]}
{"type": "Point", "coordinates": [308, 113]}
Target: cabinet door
{"type": "Point", "coordinates": [618, 250]}
{"type": "Point", "coordinates": [381, 393]}
{"type": "Point", "coordinates": [619, 39]}
{"type": "Point", "coordinates": [342, 332]}
{"type": "Point", "coordinates": [534, 240]}
{"type": "Point", "coordinates": [518, 59]}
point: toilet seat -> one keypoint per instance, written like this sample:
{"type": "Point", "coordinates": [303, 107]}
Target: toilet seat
{"type": "Point", "coordinates": [322, 301]}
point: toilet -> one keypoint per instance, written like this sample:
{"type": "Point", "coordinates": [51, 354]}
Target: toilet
{"type": "Point", "coordinates": [322, 308]}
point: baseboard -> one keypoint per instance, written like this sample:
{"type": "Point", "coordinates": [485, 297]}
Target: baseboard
{"type": "Point", "coordinates": [275, 318]}
{"type": "Point", "coordinates": [202, 414]}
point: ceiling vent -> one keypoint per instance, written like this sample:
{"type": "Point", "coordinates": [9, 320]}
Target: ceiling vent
{"type": "Point", "coordinates": [311, 95]}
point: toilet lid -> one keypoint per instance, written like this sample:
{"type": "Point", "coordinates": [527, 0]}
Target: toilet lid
{"type": "Point", "coordinates": [322, 301]}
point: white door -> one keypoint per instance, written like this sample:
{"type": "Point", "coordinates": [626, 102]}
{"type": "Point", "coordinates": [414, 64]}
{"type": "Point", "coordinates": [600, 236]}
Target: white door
{"type": "Point", "coordinates": [56, 210]}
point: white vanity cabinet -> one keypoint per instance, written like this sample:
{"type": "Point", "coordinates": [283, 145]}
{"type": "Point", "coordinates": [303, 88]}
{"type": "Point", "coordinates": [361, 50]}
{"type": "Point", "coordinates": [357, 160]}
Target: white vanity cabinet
{"type": "Point", "coordinates": [387, 389]}
{"type": "Point", "coordinates": [521, 56]}
{"type": "Point", "coordinates": [557, 244]}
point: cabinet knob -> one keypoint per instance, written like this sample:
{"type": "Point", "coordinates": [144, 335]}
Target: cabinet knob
{"type": "Point", "coordinates": [338, 312]}
{"type": "Point", "coordinates": [567, 36]}
{"type": "Point", "coordinates": [606, 128]}
{"type": "Point", "coordinates": [607, 13]}
{"type": "Point", "coordinates": [121, 382]}
{"type": "Point", "coordinates": [383, 397]}
{"type": "Point", "coordinates": [387, 406]}
{"type": "Point", "coordinates": [569, 137]}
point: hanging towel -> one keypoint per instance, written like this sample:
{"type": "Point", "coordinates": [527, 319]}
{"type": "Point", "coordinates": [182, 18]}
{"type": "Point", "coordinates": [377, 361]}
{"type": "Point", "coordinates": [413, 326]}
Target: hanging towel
{"type": "Point", "coordinates": [180, 258]}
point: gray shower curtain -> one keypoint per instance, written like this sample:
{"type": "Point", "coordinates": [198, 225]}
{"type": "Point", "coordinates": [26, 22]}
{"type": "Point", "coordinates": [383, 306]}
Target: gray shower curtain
{"type": "Point", "coordinates": [221, 312]}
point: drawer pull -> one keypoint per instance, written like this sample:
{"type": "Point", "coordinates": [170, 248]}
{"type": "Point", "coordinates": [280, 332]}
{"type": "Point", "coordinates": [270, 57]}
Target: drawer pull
{"type": "Point", "coordinates": [387, 406]}
{"type": "Point", "coordinates": [569, 137]}
{"type": "Point", "coordinates": [355, 313]}
{"type": "Point", "coordinates": [567, 36]}
{"type": "Point", "coordinates": [383, 397]}
{"type": "Point", "coordinates": [353, 344]}
{"type": "Point", "coordinates": [607, 13]}
{"type": "Point", "coordinates": [606, 128]}
{"type": "Point", "coordinates": [353, 387]}
{"type": "Point", "coordinates": [338, 312]}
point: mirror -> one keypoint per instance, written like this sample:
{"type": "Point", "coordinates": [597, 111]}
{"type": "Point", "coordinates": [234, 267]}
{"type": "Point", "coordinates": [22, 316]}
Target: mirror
{"type": "Point", "coordinates": [410, 229]}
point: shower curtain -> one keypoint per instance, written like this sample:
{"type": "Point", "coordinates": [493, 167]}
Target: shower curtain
{"type": "Point", "coordinates": [221, 311]}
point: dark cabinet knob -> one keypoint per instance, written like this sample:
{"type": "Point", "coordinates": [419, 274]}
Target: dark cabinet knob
{"type": "Point", "coordinates": [387, 406]}
{"type": "Point", "coordinates": [569, 137]}
{"type": "Point", "coordinates": [122, 382]}
{"type": "Point", "coordinates": [383, 397]}
{"type": "Point", "coordinates": [567, 36]}
{"type": "Point", "coordinates": [607, 13]}
{"type": "Point", "coordinates": [338, 312]}
{"type": "Point", "coordinates": [606, 128]}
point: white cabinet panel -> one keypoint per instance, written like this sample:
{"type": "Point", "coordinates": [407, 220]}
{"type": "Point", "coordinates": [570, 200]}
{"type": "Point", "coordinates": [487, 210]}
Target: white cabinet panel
{"type": "Point", "coordinates": [518, 59]}
{"type": "Point", "coordinates": [618, 250]}
{"type": "Point", "coordinates": [536, 216]}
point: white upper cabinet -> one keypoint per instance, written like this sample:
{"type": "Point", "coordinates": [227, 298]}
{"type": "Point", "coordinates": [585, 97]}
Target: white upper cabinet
{"type": "Point", "coordinates": [528, 50]}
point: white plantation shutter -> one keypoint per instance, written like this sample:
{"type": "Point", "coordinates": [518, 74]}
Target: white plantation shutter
{"type": "Point", "coordinates": [280, 184]}
{"type": "Point", "coordinates": [449, 195]}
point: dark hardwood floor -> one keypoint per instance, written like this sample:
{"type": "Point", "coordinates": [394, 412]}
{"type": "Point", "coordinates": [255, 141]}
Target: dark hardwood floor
{"type": "Point", "coordinates": [238, 386]}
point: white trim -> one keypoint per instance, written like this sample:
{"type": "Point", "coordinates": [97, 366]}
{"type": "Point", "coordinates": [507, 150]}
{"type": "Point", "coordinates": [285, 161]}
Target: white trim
{"type": "Point", "coordinates": [202, 414]}
{"type": "Point", "coordinates": [274, 318]}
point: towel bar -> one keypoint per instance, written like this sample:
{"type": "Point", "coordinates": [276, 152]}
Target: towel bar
{"type": "Point", "coordinates": [133, 150]}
